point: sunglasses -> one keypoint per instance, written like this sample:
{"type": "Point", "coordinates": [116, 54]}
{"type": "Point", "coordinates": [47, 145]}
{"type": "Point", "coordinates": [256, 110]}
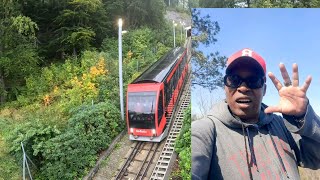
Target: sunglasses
{"type": "Point", "coordinates": [235, 81]}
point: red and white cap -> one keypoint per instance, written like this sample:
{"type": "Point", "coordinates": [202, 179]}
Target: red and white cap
{"type": "Point", "coordinates": [246, 57]}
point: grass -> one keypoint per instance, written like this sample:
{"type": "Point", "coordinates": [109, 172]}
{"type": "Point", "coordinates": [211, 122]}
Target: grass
{"type": "Point", "coordinates": [9, 168]}
{"type": "Point", "coordinates": [105, 162]}
{"type": "Point", "coordinates": [176, 173]}
{"type": "Point", "coordinates": [117, 146]}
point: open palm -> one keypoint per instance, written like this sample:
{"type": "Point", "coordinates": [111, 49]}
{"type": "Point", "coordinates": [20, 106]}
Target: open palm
{"type": "Point", "coordinates": [293, 99]}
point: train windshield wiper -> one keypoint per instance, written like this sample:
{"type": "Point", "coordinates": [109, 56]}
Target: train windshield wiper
{"type": "Point", "coordinates": [151, 107]}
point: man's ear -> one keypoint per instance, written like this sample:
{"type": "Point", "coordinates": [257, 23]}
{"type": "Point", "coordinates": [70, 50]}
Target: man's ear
{"type": "Point", "coordinates": [264, 89]}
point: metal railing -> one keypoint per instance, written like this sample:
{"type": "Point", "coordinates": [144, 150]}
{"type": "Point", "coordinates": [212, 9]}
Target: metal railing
{"type": "Point", "coordinates": [25, 163]}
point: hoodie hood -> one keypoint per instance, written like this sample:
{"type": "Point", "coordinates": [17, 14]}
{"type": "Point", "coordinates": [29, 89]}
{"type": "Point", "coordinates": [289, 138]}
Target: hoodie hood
{"type": "Point", "coordinates": [221, 112]}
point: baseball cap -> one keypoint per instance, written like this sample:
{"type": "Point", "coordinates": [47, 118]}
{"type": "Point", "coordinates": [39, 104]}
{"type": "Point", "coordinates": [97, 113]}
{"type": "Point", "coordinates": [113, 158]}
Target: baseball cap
{"type": "Point", "coordinates": [246, 57]}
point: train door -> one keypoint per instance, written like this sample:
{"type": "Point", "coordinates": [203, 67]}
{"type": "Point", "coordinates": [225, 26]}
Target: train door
{"type": "Point", "coordinates": [160, 112]}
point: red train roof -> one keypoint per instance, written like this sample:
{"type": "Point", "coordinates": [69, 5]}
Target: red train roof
{"type": "Point", "coordinates": [158, 71]}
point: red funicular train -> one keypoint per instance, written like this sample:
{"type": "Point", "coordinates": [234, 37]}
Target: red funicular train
{"type": "Point", "coordinates": [153, 94]}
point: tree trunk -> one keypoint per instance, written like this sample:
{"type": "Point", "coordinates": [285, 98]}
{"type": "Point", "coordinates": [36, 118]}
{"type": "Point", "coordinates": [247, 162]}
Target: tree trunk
{"type": "Point", "coordinates": [2, 89]}
{"type": "Point", "coordinates": [74, 52]}
{"type": "Point", "coordinates": [2, 85]}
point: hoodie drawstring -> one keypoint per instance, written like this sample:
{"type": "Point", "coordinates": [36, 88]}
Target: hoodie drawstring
{"type": "Point", "coordinates": [253, 156]}
{"type": "Point", "coordinates": [275, 147]}
{"type": "Point", "coordinates": [245, 144]}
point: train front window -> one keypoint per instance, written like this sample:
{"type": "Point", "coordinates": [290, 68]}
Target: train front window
{"type": "Point", "coordinates": [141, 109]}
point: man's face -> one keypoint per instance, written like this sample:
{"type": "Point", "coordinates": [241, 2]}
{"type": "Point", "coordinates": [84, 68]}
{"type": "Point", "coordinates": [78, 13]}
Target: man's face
{"type": "Point", "coordinates": [243, 101]}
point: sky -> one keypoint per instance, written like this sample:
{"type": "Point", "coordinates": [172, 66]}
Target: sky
{"type": "Point", "coordinates": [278, 35]}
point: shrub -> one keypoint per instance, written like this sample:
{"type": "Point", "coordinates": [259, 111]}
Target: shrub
{"type": "Point", "coordinates": [70, 153]}
{"type": "Point", "coordinates": [183, 146]}
{"type": "Point", "coordinates": [91, 128]}
{"type": "Point", "coordinates": [33, 134]}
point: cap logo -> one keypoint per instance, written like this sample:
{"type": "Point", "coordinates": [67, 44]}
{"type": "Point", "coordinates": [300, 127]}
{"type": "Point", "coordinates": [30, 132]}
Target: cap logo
{"type": "Point", "coordinates": [247, 52]}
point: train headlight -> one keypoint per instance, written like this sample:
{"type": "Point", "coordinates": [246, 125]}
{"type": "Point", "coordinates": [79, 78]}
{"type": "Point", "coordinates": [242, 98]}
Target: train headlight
{"type": "Point", "coordinates": [131, 130]}
{"type": "Point", "coordinates": [153, 131]}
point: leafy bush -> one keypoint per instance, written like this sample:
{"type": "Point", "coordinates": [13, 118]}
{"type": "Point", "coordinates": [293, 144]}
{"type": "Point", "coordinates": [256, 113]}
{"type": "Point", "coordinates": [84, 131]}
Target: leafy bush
{"type": "Point", "coordinates": [110, 45]}
{"type": "Point", "coordinates": [69, 154]}
{"type": "Point", "coordinates": [141, 47]}
{"type": "Point", "coordinates": [40, 84]}
{"type": "Point", "coordinates": [70, 84]}
{"type": "Point", "coordinates": [90, 129]}
{"type": "Point", "coordinates": [33, 134]}
{"type": "Point", "coordinates": [8, 164]}
{"type": "Point", "coordinates": [183, 146]}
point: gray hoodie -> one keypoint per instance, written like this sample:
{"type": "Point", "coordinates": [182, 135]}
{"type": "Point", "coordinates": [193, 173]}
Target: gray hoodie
{"type": "Point", "coordinates": [223, 147]}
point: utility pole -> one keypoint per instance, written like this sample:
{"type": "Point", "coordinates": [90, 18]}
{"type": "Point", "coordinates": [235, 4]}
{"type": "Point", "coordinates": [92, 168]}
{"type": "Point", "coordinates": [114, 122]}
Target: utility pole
{"type": "Point", "coordinates": [120, 69]}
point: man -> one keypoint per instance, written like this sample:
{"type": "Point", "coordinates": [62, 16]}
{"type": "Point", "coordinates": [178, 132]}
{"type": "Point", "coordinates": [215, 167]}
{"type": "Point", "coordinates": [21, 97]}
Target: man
{"type": "Point", "coordinates": [241, 138]}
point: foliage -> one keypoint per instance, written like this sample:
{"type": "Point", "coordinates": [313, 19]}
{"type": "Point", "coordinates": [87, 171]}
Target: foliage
{"type": "Point", "coordinates": [206, 69]}
{"type": "Point", "coordinates": [259, 3]}
{"type": "Point", "coordinates": [138, 45]}
{"type": "Point", "coordinates": [48, 97]}
{"type": "Point", "coordinates": [15, 64]}
{"type": "Point", "coordinates": [33, 135]}
{"type": "Point", "coordinates": [18, 54]}
{"type": "Point", "coordinates": [141, 47]}
{"type": "Point", "coordinates": [49, 66]}
{"type": "Point", "coordinates": [110, 46]}
{"type": "Point", "coordinates": [8, 164]}
{"type": "Point", "coordinates": [90, 129]}
{"type": "Point", "coordinates": [71, 26]}
{"type": "Point", "coordinates": [75, 30]}
{"type": "Point", "coordinates": [193, 4]}
{"type": "Point", "coordinates": [70, 84]}
{"type": "Point", "coordinates": [217, 4]}
{"type": "Point", "coordinates": [67, 27]}
{"type": "Point", "coordinates": [181, 5]}
{"type": "Point", "coordinates": [161, 50]}
{"type": "Point", "coordinates": [34, 34]}
{"type": "Point", "coordinates": [183, 145]}
{"type": "Point", "coordinates": [144, 13]}
{"type": "Point", "coordinates": [273, 4]}
{"type": "Point", "coordinates": [84, 89]}
{"type": "Point", "coordinates": [93, 77]}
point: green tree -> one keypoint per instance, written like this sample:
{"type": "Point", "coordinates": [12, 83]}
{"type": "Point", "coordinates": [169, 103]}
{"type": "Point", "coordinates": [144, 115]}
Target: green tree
{"type": "Point", "coordinates": [68, 27]}
{"type": "Point", "coordinates": [206, 70]}
{"type": "Point", "coordinates": [18, 50]}
{"type": "Point", "coordinates": [259, 3]}
{"type": "Point", "coordinates": [114, 10]}
{"type": "Point", "coordinates": [315, 3]}
{"type": "Point", "coordinates": [171, 3]}
{"type": "Point", "coordinates": [144, 13]}
{"type": "Point", "coordinates": [44, 14]}
{"type": "Point", "coordinates": [193, 4]}
{"type": "Point", "coordinates": [75, 31]}
{"type": "Point", "coordinates": [217, 3]}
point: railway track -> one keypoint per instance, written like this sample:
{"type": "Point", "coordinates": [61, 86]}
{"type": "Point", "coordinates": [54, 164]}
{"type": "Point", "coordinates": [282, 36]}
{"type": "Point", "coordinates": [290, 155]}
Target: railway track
{"type": "Point", "coordinates": [147, 160]}
{"type": "Point", "coordinates": [138, 161]}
